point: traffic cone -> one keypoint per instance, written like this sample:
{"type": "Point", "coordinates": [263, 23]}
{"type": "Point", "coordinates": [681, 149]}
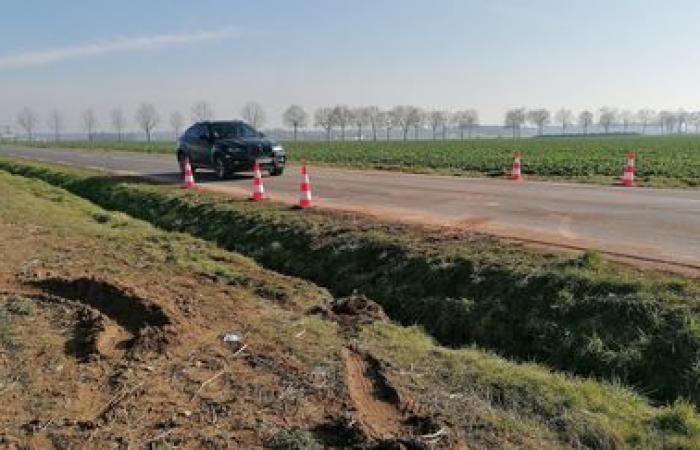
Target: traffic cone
{"type": "Point", "coordinates": [516, 173]}
{"type": "Point", "coordinates": [305, 191]}
{"type": "Point", "coordinates": [188, 182]}
{"type": "Point", "coordinates": [258, 189]}
{"type": "Point", "coordinates": [628, 172]}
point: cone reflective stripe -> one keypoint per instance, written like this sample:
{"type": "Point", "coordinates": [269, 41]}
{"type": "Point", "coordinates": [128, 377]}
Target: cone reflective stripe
{"type": "Point", "coordinates": [305, 191]}
{"type": "Point", "coordinates": [258, 189]}
{"type": "Point", "coordinates": [516, 173]}
{"type": "Point", "coordinates": [628, 172]}
{"type": "Point", "coordinates": [188, 181]}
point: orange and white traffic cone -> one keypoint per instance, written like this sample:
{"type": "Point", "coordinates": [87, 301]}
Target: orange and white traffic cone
{"type": "Point", "coordinates": [188, 182]}
{"type": "Point", "coordinates": [258, 189]}
{"type": "Point", "coordinates": [516, 174]}
{"type": "Point", "coordinates": [305, 191]}
{"type": "Point", "coordinates": [628, 172]}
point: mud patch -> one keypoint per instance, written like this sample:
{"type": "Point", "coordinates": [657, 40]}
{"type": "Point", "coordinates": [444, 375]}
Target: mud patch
{"type": "Point", "coordinates": [132, 319]}
{"type": "Point", "coordinates": [350, 311]}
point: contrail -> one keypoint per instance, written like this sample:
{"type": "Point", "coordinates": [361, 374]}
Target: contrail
{"type": "Point", "coordinates": [121, 44]}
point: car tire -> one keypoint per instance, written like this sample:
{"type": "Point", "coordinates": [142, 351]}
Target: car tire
{"type": "Point", "coordinates": [276, 171]}
{"type": "Point", "coordinates": [222, 172]}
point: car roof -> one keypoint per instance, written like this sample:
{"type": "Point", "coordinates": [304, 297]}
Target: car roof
{"type": "Point", "coordinates": [209, 122]}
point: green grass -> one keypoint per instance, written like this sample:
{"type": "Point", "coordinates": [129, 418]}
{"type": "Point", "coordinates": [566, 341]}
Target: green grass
{"type": "Point", "coordinates": [525, 400]}
{"type": "Point", "coordinates": [579, 314]}
{"type": "Point", "coordinates": [663, 161]}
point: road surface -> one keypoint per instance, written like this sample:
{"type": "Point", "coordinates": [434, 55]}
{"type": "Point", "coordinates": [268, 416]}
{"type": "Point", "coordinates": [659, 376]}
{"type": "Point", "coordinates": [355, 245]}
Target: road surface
{"type": "Point", "coordinates": [657, 226]}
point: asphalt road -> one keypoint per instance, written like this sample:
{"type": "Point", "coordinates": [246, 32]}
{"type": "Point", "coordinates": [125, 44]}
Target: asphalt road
{"type": "Point", "coordinates": [649, 225]}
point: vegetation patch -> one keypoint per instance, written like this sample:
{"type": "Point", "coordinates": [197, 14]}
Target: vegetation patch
{"type": "Point", "coordinates": [575, 314]}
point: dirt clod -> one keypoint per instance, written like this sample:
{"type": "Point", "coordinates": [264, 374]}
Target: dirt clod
{"type": "Point", "coordinates": [351, 311]}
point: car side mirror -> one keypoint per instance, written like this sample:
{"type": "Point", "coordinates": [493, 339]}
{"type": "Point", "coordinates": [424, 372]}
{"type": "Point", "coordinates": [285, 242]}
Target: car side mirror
{"type": "Point", "coordinates": [262, 135]}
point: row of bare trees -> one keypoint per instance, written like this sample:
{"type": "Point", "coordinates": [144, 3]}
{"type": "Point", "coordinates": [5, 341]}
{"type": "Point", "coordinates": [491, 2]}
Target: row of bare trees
{"type": "Point", "coordinates": [609, 119]}
{"type": "Point", "coordinates": [405, 118]}
{"type": "Point", "coordinates": [146, 118]}
{"type": "Point", "coordinates": [377, 121]}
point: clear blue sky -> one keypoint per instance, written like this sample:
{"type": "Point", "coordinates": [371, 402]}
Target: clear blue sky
{"type": "Point", "coordinates": [485, 54]}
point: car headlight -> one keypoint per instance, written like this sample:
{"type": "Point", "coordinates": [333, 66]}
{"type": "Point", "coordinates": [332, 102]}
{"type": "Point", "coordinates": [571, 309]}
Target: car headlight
{"type": "Point", "coordinates": [277, 149]}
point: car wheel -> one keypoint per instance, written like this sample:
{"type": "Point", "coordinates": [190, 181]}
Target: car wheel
{"type": "Point", "coordinates": [222, 172]}
{"type": "Point", "coordinates": [276, 171]}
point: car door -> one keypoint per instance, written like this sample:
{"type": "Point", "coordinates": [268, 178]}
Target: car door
{"type": "Point", "coordinates": [200, 145]}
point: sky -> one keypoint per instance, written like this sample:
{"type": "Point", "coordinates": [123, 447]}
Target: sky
{"type": "Point", "coordinates": [490, 55]}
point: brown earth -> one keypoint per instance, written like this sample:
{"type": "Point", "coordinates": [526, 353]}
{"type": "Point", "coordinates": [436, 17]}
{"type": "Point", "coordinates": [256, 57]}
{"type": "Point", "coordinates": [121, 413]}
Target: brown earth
{"type": "Point", "coordinates": [110, 337]}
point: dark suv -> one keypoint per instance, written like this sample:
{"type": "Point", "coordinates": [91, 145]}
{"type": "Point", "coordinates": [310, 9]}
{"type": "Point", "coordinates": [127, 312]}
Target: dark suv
{"type": "Point", "coordinates": [228, 147]}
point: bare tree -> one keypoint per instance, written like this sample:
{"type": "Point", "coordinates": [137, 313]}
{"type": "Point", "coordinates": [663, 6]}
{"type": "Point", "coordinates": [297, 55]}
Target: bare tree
{"type": "Point", "coordinates": [585, 120]}
{"type": "Point", "coordinates": [254, 114]}
{"type": "Point", "coordinates": [90, 123]}
{"type": "Point", "coordinates": [147, 117]}
{"type": "Point", "coordinates": [118, 122]}
{"type": "Point", "coordinates": [295, 117]}
{"type": "Point", "coordinates": [539, 117]}
{"type": "Point", "coordinates": [644, 117]}
{"type": "Point", "coordinates": [564, 117]}
{"type": "Point", "coordinates": [465, 120]}
{"type": "Point", "coordinates": [27, 120]}
{"type": "Point", "coordinates": [388, 120]}
{"type": "Point", "coordinates": [694, 120]}
{"type": "Point", "coordinates": [201, 111]}
{"type": "Point", "coordinates": [360, 117]}
{"type": "Point", "coordinates": [400, 117]}
{"type": "Point", "coordinates": [437, 119]}
{"type": "Point", "coordinates": [323, 117]}
{"type": "Point", "coordinates": [682, 119]}
{"type": "Point", "coordinates": [607, 117]}
{"type": "Point", "coordinates": [55, 123]}
{"type": "Point", "coordinates": [417, 117]}
{"type": "Point", "coordinates": [375, 118]}
{"type": "Point", "coordinates": [177, 121]}
{"type": "Point", "coordinates": [626, 117]}
{"type": "Point", "coordinates": [341, 116]}
{"type": "Point", "coordinates": [667, 121]}
{"type": "Point", "coordinates": [515, 118]}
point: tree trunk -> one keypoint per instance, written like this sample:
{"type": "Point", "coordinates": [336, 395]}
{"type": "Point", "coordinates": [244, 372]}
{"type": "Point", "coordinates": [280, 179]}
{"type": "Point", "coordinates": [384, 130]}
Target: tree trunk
{"type": "Point", "coordinates": [295, 132]}
{"type": "Point", "coordinates": [434, 128]}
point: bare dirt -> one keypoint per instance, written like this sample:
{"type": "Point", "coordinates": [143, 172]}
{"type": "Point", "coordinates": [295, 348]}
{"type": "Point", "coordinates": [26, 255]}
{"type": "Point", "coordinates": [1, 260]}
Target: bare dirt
{"type": "Point", "coordinates": [106, 342]}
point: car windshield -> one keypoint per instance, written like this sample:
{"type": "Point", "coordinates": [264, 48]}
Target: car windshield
{"type": "Point", "coordinates": [247, 131]}
{"type": "Point", "coordinates": [223, 130]}
{"type": "Point", "coordinates": [226, 130]}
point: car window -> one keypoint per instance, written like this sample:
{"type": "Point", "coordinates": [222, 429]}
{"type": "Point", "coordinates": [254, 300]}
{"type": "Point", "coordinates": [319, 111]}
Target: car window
{"type": "Point", "coordinates": [247, 131]}
{"type": "Point", "coordinates": [224, 130]}
{"type": "Point", "coordinates": [191, 133]}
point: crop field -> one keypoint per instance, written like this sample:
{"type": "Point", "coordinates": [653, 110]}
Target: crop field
{"type": "Point", "coordinates": [319, 364]}
{"type": "Point", "coordinates": [661, 161]}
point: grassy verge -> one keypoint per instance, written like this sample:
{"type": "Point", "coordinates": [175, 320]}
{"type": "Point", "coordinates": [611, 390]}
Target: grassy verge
{"type": "Point", "coordinates": [492, 402]}
{"type": "Point", "coordinates": [580, 314]}
{"type": "Point", "coordinates": [525, 402]}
